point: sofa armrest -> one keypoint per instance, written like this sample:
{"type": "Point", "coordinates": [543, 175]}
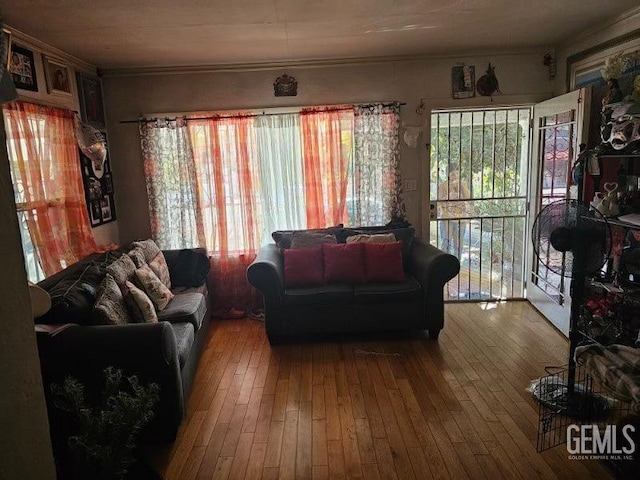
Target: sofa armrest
{"type": "Point", "coordinates": [147, 350]}
{"type": "Point", "coordinates": [431, 266]}
{"type": "Point", "coordinates": [188, 267]}
{"type": "Point", "coordinates": [266, 273]}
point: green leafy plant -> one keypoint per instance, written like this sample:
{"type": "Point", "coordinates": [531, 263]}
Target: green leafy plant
{"type": "Point", "coordinates": [106, 434]}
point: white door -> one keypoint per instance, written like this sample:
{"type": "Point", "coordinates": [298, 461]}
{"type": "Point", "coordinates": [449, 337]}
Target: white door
{"type": "Point", "coordinates": [558, 129]}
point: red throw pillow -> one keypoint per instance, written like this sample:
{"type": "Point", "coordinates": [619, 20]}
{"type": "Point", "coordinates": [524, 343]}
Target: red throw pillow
{"type": "Point", "coordinates": [303, 267]}
{"type": "Point", "coordinates": [383, 262]}
{"type": "Point", "coordinates": [343, 262]}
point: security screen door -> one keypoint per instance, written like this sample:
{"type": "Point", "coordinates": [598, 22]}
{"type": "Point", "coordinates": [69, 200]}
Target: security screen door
{"type": "Point", "coordinates": [478, 194]}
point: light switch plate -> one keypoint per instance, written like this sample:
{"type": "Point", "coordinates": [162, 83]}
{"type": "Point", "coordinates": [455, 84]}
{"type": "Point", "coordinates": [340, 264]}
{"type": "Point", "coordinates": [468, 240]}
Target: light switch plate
{"type": "Point", "coordinates": [410, 185]}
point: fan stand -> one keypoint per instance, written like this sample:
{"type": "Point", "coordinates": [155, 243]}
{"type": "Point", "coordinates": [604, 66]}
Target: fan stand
{"type": "Point", "coordinates": [569, 398]}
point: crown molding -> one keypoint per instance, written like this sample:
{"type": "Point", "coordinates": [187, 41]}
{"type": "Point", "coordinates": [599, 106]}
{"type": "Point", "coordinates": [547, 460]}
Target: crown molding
{"type": "Point", "coordinates": [311, 63]}
{"type": "Point", "coordinates": [586, 34]}
{"type": "Point", "coordinates": [33, 43]}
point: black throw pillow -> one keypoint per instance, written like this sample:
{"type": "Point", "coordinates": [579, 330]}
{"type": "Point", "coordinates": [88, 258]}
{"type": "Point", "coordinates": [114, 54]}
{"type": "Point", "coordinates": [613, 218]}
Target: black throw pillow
{"type": "Point", "coordinates": [188, 269]}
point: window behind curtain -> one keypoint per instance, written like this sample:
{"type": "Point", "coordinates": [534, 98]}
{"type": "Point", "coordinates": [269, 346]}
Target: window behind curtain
{"type": "Point", "coordinates": [45, 169]}
{"type": "Point", "coordinates": [310, 169]}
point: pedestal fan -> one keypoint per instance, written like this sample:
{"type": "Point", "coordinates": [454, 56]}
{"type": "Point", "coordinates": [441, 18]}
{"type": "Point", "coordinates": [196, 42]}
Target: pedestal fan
{"type": "Point", "coordinates": [572, 240]}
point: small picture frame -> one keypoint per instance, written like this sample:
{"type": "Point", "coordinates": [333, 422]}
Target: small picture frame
{"type": "Point", "coordinates": [91, 104]}
{"type": "Point", "coordinates": [96, 213]}
{"type": "Point", "coordinates": [107, 183]}
{"type": "Point", "coordinates": [463, 81]}
{"type": "Point", "coordinates": [23, 69]}
{"type": "Point", "coordinates": [57, 75]}
{"type": "Point", "coordinates": [105, 203]}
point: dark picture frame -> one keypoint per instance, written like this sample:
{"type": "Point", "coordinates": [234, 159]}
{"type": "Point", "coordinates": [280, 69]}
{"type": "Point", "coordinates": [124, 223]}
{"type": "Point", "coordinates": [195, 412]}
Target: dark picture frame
{"type": "Point", "coordinates": [463, 81]}
{"type": "Point", "coordinates": [23, 68]}
{"type": "Point", "coordinates": [58, 76]}
{"type": "Point", "coordinates": [98, 190]}
{"type": "Point", "coordinates": [91, 103]}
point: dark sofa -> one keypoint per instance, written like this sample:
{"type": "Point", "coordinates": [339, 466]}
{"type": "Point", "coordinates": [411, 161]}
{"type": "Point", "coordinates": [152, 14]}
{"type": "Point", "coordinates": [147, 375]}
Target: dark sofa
{"type": "Point", "coordinates": [166, 352]}
{"type": "Point", "coordinates": [415, 304]}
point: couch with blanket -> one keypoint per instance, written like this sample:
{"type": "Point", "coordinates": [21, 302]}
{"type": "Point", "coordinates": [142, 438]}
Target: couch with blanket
{"type": "Point", "coordinates": [340, 280]}
{"type": "Point", "coordinates": [139, 309]}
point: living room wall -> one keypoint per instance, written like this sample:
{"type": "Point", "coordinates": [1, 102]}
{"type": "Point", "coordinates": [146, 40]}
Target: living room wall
{"type": "Point", "coordinates": [104, 234]}
{"type": "Point", "coordinates": [523, 80]}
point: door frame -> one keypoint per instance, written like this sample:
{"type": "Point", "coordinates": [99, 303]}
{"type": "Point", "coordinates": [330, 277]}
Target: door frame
{"type": "Point", "coordinates": [557, 315]}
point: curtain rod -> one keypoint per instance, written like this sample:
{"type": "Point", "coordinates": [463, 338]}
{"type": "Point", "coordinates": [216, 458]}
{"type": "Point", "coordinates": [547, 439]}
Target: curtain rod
{"type": "Point", "coordinates": [263, 114]}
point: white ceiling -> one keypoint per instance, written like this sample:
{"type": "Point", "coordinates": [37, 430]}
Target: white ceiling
{"type": "Point", "coordinates": [144, 33]}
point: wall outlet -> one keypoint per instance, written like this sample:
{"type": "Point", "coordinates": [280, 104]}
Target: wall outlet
{"type": "Point", "coordinates": [410, 185]}
{"type": "Point", "coordinates": [433, 210]}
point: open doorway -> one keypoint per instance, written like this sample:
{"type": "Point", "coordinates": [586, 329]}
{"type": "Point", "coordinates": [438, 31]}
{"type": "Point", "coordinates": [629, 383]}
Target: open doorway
{"type": "Point", "coordinates": [478, 193]}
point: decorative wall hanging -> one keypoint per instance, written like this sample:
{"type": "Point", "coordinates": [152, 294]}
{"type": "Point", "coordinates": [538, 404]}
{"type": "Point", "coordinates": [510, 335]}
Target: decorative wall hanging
{"type": "Point", "coordinates": [23, 68]}
{"type": "Point", "coordinates": [463, 78]}
{"type": "Point", "coordinates": [549, 60]}
{"type": "Point", "coordinates": [91, 105]}
{"type": "Point", "coordinates": [285, 86]}
{"type": "Point", "coordinates": [57, 76]}
{"type": "Point", "coordinates": [488, 83]}
{"type": "Point", "coordinates": [98, 182]}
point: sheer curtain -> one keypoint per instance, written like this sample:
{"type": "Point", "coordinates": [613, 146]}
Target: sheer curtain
{"type": "Point", "coordinates": [376, 185]}
{"type": "Point", "coordinates": [45, 166]}
{"type": "Point", "coordinates": [281, 173]}
{"type": "Point", "coordinates": [169, 167]}
{"type": "Point", "coordinates": [227, 170]}
{"type": "Point", "coordinates": [327, 146]}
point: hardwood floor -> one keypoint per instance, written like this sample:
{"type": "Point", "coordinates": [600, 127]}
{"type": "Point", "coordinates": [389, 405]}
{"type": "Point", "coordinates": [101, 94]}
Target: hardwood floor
{"type": "Point", "coordinates": [456, 408]}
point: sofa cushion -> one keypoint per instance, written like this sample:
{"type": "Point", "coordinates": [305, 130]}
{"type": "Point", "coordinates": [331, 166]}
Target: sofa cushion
{"type": "Point", "coordinates": [404, 235]}
{"type": "Point", "coordinates": [110, 308]}
{"type": "Point", "coordinates": [335, 294]}
{"type": "Point", "coordinates": [383, 262]}
{"type": "Point", "coordinates": [121, 269]}
{"type": "Point", "coordinates": [139, 305]}
{"type": "Point", "coordinates": [410, 289]}
{"type": "Point", "coordinates": [185, 307]}
{"type": "Point", "coordinates": [343, 263]}
{"type": "Point", "coordinates": [303, 267]}
{"type": "Point", "coordinates": [148, 247]}
{"type": "Point", "coordinates": [283, 238]}
{"type": "Point", "coordinates": [188, 268]}
{"type": "Point", "coordinates": [137, 255]}
{"type": "Point", "coordinates": [185, 334]}
{"type": "Point", "coordinates": [311, 239]}
{"type": "Point", "coordinates": [158, 292]}
{"type": "Point", "coordinates": [159, 266]}
{"type": "Point", "coordinates": [371, 238]}
{"type": "Point", "coordinates": [72, 298]}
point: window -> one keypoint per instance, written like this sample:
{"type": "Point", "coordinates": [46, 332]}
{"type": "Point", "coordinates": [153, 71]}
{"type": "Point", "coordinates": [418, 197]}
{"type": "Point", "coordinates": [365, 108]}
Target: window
{"type": "Point", "coordinates": [49, 195]}
{"type": "Point", "coordinates": [260, 173]}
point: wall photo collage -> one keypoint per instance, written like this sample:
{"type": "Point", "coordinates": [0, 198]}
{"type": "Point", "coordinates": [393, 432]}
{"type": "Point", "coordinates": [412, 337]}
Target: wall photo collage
{"type": "Point", "coordinates": [98, 189]}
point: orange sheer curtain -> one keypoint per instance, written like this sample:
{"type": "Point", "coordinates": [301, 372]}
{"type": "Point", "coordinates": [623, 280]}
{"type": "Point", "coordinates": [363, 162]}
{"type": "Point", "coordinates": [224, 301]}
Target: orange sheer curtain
{"type": "Point", "coordinates": [45, 166]}
{"type": "Point", "coordinates": [327, 137]}
{"type": "Point", "coordinates": [228, 185]}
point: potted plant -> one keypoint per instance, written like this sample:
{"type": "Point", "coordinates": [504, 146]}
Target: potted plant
{"type": "Point", "coordinates": [102, 447]}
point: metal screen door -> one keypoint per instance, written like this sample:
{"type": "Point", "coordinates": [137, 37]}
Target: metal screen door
{"type": "Point", "coordinates": [478, 193]}
{"type": "Point", "coordinates": [558, 130]}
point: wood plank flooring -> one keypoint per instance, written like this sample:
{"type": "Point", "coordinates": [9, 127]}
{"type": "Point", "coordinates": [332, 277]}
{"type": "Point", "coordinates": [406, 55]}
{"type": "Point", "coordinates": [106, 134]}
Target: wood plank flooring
{"type": "Point", "coordinates": [452, 409]}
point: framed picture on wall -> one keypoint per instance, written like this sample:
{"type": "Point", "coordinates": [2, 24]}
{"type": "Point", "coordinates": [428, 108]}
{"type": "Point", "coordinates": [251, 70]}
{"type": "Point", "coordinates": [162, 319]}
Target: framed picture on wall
{"type": "Point", "coordinates": [23, 69]}
{"type": "Point", "coordinates": [57, 75]}
{"type": "Point", "coordinates": [98, 190]}
{"type": "Point", "coordinates": [91, 105]}
{"type": "Point", "coordinates": [463, 81]}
